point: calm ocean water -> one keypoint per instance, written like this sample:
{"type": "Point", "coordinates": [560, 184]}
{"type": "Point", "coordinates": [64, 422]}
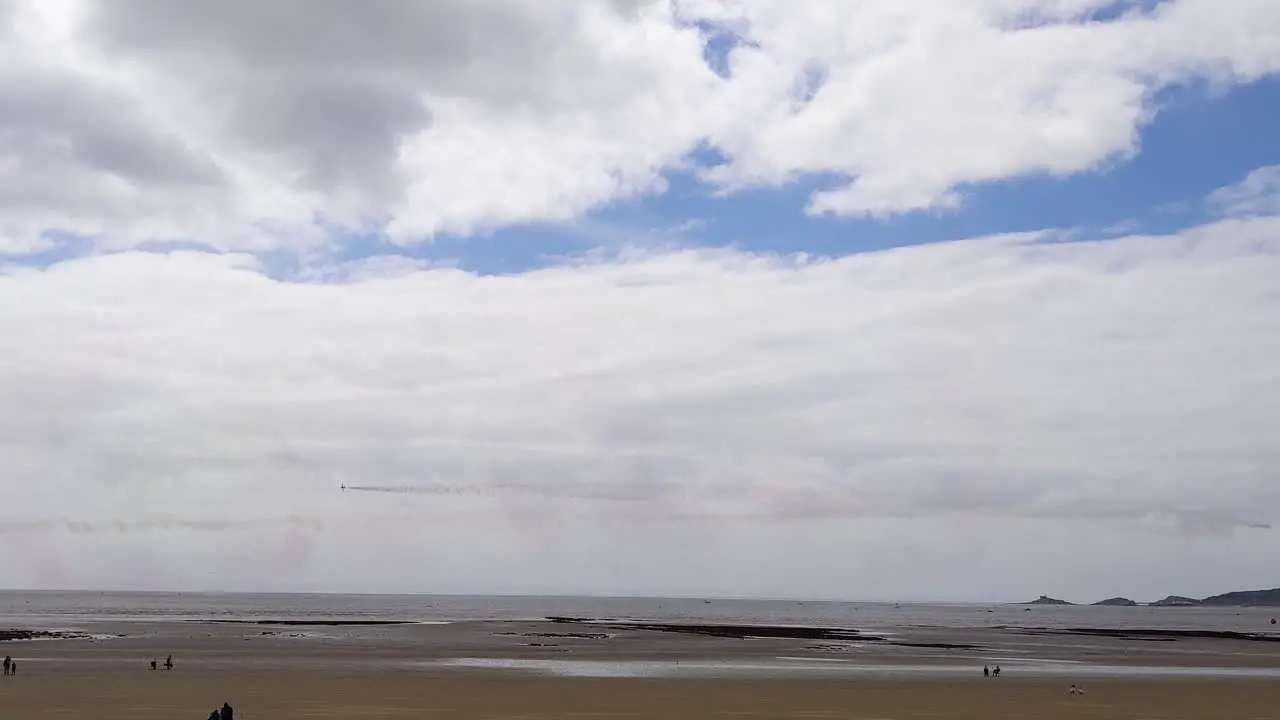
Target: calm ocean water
{"type": "Point", "coordinates": [73, 609]}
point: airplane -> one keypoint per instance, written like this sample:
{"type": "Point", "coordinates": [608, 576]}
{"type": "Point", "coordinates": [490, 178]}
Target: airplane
{"type": "Point", "coordinates": [344, 487]}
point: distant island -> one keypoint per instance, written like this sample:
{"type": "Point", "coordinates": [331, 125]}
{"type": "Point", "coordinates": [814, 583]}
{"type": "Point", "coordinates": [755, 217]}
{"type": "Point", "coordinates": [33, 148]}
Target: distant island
{"type": "Point", "coordinates": [1175, 601]}
{"type": "Point", "coordinates": [1046, 600]}
{"type": "Point", "coordinates": [1240, 598]}
{"type": "Point", "coordinates": [1117, 602]}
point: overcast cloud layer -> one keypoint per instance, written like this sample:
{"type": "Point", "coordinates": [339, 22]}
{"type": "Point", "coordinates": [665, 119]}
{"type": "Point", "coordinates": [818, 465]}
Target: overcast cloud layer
{"type": "Point", "coordinates": [979, 419]}
{"type": "Point", "coordinates": [875, 415]}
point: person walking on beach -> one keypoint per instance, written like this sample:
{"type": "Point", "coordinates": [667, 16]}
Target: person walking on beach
{"type": "Point", "coordinates": [153, 664]}
{"type": "Point", "coordinates": [168, 663]}
{"type": "Point", "coordinates": [7, 662]}
{"type": "Point", "coordinates": [226, 712]}
{"type": "Point", "coordinates": [986, 671]}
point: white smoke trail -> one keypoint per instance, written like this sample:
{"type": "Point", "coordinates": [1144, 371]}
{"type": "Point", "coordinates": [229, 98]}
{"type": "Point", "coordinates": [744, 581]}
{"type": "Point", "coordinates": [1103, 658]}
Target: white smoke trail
{"type": "Point", "coordinates": [120, 527]}
{"type": "Point", "coordinates": [442, 490]}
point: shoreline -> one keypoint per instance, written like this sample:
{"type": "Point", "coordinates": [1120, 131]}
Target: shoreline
{"type": "Point", "coordinates": [605, 647]}
{"type": "Point", "coordinates": [776, 668]}
{"type": "Point", "coordinates": [786, 668]}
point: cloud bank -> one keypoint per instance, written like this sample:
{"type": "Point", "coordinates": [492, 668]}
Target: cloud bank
{"type": "Point", "coordinates": [254, 125]}
{"type": "Point", "coordinates": [695, 414]}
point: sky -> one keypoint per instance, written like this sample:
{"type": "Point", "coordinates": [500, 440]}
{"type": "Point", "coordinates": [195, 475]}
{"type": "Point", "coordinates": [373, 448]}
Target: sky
{"type": "Point", "coordinates": [897, 299]}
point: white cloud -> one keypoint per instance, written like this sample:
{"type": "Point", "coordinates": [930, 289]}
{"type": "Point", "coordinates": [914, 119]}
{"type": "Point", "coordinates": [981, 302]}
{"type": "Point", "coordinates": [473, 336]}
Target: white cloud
{"type": "Point", "coordinates": [1257, 195]}
{"type": "Point", "coordinates": [654, 424]}
{"type": "Point", "coordinates": [916, 99]}
{"type": "Point", "coordinates": [238, 124]}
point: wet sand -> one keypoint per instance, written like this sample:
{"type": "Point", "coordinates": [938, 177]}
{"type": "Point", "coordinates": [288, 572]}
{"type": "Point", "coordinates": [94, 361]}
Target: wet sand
{"type": "Point", "coordinates": [380, 645]}
{"type": "Point", "coordinates": [289, 695]}
{"type": "Point", "coordinates": [534, 669]}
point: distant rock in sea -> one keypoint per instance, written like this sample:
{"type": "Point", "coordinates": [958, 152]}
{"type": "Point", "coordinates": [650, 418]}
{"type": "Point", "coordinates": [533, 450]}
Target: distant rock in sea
{"type": "Point", "coordinates": [1239, 598]}
{"type": "Point", "coordinates": [1117, 602]}
{"type": "Point", "coordinates": [1245, 598]}
{"type": "Point", "coordinates": [1046, 600]}
{"type": "Point", "coordinates": [1176, 601]}
{"type": "Point", "coordinates": [25, 634]}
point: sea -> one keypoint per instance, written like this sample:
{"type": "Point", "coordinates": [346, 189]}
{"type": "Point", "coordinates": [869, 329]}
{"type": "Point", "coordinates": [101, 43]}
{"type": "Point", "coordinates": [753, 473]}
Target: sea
{"type": "Point", "coordinates": [70, 610]}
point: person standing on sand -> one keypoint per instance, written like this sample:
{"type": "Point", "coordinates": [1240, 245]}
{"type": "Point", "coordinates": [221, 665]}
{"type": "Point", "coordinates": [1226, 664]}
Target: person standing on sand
{"type": "Point", "coordinates": [7, 662]}
{"type": "Point", "coordinates": [226, 712]}
{"type": "Point", "coordinates": [986, 671]}
{"type": "Point", "coordinates": [168, 663]}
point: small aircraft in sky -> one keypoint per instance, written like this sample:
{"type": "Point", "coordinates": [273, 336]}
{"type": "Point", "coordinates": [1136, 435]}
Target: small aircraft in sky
{"type": "Point", "coordinates": [344, 487]}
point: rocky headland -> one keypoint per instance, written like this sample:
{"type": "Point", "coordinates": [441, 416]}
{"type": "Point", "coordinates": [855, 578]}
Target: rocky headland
{"type": "Point", "coordinates": [1245, 598]}
{"type": "Point", "coordinates": [1240, 598]}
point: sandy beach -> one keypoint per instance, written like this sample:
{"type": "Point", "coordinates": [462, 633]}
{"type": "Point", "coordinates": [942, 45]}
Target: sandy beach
{"type": "Point", "coordinates": [289, 695]}
{"type": "Point", "coordinates": [550, 669]}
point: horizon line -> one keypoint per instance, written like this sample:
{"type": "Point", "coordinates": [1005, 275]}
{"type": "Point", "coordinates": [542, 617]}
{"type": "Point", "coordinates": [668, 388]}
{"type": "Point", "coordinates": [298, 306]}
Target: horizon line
{"type": "Point", "coordinates": [588, 596]}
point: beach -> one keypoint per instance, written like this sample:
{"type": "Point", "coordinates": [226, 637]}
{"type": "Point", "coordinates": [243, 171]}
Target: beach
{"type": "Point", "coordinates": [290, 695]}
{"type": "Point", "coordinates": [315, 657]}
